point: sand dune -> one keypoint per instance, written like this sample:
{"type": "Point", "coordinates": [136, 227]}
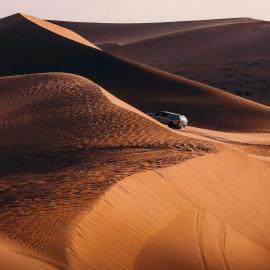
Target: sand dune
{"type": "Point", "coordinates": [236, 55]}
{"type": "Point", "coordinates": [13, 256]}
{"type": "Point", "coordinates": [61, 31]}
{"type": "Point", "coordinates": [235, 50]}
{"type": "Point", "coordinates": [87, 181]}
{"type": "Point", "coordinates": [182, 217]}
{"type": "Point", "coordinates": [45, 117]}
{"type": "Point", "coordinates": [134, 83]}
{"type": "Point", "coordinates": [64, 141]}
{"type": "Point", "coordinates": [121, 33]}
{"type": "Point", "coordinates": [214, 43]}
{"type": "Point", "coordinates": [58, 112]}
{"type": "Point", "coordinates": [255, 144]}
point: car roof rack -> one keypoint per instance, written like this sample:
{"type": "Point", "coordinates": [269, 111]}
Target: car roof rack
{"type": "Point", "coordinates": [169, 112]}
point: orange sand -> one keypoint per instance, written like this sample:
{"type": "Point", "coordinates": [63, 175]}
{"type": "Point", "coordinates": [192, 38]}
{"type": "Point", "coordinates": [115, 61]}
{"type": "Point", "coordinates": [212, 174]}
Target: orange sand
{"type": "Point", "coordinates": [88, 181]}
{"type": "Point", "coordinates": [207, 213]}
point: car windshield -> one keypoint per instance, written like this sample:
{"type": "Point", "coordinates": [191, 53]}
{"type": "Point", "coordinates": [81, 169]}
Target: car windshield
{"type": "Point", "coordinates": [174, 116]}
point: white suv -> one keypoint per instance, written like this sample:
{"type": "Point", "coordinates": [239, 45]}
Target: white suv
{"type": "Point", "coordinates": [173, 120]}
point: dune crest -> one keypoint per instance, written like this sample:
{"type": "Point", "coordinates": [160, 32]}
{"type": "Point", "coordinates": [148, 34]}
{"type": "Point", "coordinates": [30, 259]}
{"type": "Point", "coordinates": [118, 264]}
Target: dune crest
{"type": "Point", "coordinates": [61, 31]}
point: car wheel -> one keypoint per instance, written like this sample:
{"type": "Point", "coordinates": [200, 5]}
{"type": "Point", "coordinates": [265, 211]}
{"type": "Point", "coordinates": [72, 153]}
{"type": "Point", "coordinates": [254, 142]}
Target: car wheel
{"type": "Point", "coordinates": [171, 125]}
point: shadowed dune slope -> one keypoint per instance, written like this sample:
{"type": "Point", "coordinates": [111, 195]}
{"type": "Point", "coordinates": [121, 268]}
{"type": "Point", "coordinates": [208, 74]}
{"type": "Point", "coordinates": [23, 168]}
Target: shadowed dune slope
{"type": "Point", "coordinates": [215, 43]}
{"type": "Point", "coordinates": [121, 33]}
{"type": "Point", "coordinates": [209, 212]}
{"type": "Point", "coordinates": [229, 54]}
{"type": "Point", "coordinates": [30, 46]}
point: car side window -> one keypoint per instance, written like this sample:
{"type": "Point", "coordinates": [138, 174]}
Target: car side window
{"type": "Point", "coordinates": [174, 117]}
{"type": "Point", "coordinates": [163, 114]}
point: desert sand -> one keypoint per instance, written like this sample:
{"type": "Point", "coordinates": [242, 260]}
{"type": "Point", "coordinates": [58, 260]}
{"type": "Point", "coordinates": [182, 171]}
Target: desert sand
{"type": "Point", "coordinates": [145, 88]}
{"type": "Point", "coordinates": [14, 256]}
{"type": "Point", "coordinates": [181, 217]}
{"type": "Point", "coordinates": [49, 185]}
{"type": "Point", "coordinates": [58, 131]}
{"type": "Point", "coordinates": [229, 54]}
{"type": "Point", "coordinates": [89, 181]}
{"type": "Point", "coordinates": [125, 33]}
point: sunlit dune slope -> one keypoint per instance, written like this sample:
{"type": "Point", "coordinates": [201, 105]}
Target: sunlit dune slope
{"type": "Point", "coordinates": [58, 30]}
{"type": "Point", "coordinates": [30, 46]}
{"type": "Point", "coordinates": [210, 213]}
{"type": "Point", "coordinates": [14, 257]}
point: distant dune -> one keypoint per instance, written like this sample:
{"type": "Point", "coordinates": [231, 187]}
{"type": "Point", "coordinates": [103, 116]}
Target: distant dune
{"type": "Point", "coordinates": [231, 54]}
{"type": "Point", "coordinates": [125, 33]}
{"type": "Point", "coordinates": [25, 37]}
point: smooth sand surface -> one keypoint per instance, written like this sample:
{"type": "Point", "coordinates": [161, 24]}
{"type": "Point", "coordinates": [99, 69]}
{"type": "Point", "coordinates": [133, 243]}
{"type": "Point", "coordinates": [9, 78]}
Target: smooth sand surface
{"type": "Point", "coordinates": [206, 213]}
{"type": "Point", "coordinates": [249, 138]}
{"type": "Point", "coordinates": [14, 257]}
{"type": "Point", "coordinates": [125, 33]}
{"type": "Point", "coordinates": [143, 87]}
{"type": "Point", "coordinates": [256, 144]}
{"type": "Point", "coordinates": [266, 158]}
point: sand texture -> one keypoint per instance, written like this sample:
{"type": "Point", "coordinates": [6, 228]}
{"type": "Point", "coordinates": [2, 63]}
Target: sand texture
{"type": "Point", "coordinates": [88, 181]}
{"type": "Point", "coordinates": [181, 217]}
{"type": "Point", "coordinates": [143, 87]}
